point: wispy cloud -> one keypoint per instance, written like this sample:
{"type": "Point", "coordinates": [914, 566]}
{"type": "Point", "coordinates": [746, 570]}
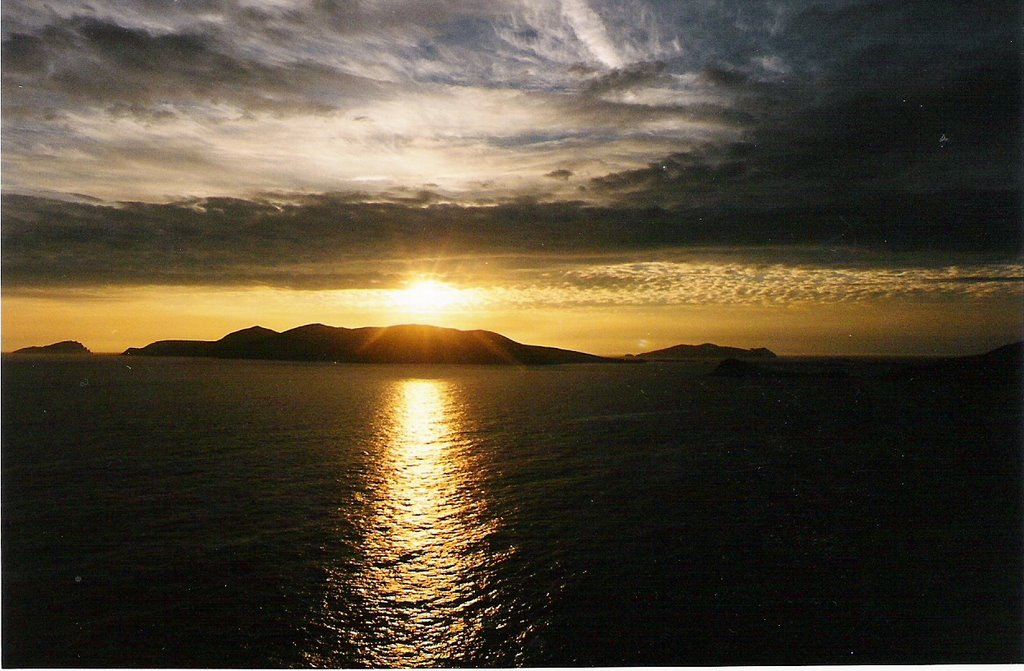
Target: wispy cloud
{"type": "Point", "coordinates": [589, 28]}
{"type": "Point", "coordinates": [464, 84]}
{"type": "Point", "coordinates": [702, 283]}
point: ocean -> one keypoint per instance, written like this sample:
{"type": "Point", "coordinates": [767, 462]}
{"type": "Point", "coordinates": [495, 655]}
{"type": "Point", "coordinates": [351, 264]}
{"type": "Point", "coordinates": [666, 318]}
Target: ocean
{"type": "Point", "coordinates": [209, 513]}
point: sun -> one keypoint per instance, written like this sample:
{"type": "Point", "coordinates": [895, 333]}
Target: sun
{"type": "Point", "coordinates": [429, 296]}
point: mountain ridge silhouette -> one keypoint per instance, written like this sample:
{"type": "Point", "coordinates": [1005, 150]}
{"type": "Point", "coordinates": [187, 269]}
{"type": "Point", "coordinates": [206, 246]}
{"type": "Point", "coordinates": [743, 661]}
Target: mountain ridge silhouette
{"type": "Point", "coordinates": [405, 343]}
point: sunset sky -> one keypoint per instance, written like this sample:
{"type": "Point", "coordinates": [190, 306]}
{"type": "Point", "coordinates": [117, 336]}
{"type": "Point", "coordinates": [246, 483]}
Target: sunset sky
{"type": "Point", "coordinates": [809, 176]}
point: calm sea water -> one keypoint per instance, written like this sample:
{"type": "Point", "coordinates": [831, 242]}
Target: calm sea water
{"type": "Point", "coordinates": [222, 513]}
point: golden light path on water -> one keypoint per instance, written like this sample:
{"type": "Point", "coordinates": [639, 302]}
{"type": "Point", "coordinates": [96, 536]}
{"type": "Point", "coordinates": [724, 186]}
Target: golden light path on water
{"type": "Point", "coordinates": [421, 592]}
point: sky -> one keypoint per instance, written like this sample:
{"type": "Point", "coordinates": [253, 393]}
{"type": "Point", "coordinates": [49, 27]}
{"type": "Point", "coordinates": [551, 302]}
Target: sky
{"type": "Point", "coordinates": [816, 177]}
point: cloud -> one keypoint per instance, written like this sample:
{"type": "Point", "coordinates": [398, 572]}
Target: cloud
{"type": "Point", "coordinates": [703, 283]}
{"type": "Point", "coordinates": [220, 95]}
{"type": "Point", "coordinates": [590, 29]}
{"type": "Point", "coordinates": [717, 76]}
{"type": "Point", "coordinates": [143, 100]}
{"type": "Point", "coordinates": [849, 129]}
{"type": "Point", "coordinates": [699, 284]}
{"type": "Point", "coordinates": [458, 137]}
{"type": "Point", "coordinates": [624, 78]}
{"type": "Point", "coordinates": [83, 60]}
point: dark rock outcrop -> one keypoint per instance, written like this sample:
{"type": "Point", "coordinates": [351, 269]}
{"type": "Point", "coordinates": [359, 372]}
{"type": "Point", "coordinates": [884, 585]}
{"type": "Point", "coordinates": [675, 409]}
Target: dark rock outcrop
{"type": "Point", "coordinates": [1000, 365]}
{"type": "Point", "coordinates": [1006, 362]}
{"type": "Point", "coordinates": [63, 347]}
{"type": "Point", "coordinates": [410, 343]}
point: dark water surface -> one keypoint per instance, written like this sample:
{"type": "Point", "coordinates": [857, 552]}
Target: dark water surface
{"type": "Point", "coordinates": [162, 512]}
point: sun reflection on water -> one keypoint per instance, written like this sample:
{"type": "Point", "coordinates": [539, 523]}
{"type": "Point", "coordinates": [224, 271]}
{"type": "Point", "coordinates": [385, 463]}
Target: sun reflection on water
{"type": "Point", "coordinates": [421, 591]}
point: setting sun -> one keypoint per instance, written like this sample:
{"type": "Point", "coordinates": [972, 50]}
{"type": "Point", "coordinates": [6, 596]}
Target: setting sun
{"type": "Point", "coordinates": [430, 296]}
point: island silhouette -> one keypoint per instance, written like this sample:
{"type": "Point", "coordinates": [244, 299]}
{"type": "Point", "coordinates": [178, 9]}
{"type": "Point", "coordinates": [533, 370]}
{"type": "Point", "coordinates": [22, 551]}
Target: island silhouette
{"type": "Point", "coordinates": [998, 364]}
{"type": "Point", "coordinates": [705, 351]}
{"type": "Point", "coordinates": [407, 343]}
{"type": "Point", "coordinates": [62, 347]}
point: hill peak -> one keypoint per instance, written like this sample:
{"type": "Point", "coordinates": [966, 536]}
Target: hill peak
{"type": "Point", "coordinates": [251, 331]}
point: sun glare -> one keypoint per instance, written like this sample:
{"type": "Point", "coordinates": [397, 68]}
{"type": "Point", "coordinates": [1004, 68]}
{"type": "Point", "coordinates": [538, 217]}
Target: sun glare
{"type": "Point", "coordinates": [430, 296]}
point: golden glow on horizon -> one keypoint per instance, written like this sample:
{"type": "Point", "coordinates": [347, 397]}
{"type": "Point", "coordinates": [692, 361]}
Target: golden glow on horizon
{"type": "Point", "coordinates": [111, 319]}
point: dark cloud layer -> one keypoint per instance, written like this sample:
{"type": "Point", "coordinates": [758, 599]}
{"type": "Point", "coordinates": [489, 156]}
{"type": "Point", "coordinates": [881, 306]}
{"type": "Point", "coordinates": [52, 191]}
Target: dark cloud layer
{"type": "Point", "coordinates": [335, 241]}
